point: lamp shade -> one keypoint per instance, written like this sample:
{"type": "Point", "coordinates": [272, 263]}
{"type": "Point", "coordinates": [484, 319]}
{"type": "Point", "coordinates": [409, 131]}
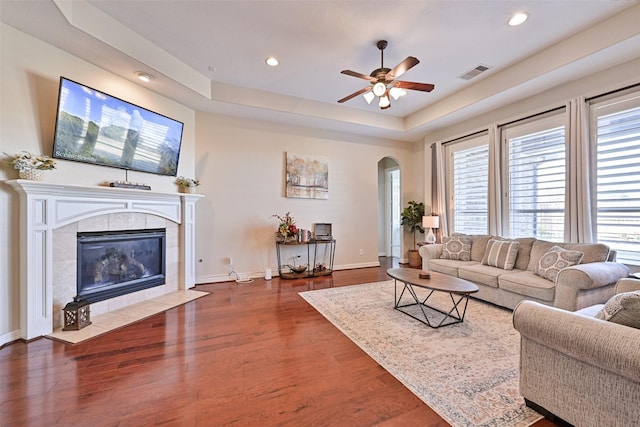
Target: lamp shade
{"type": "Point", "coordinates": [385, 102]}
{"type": "Point", "coordinates": [431, 221]}
{"type": "Point", "coordinates": [379, 89]}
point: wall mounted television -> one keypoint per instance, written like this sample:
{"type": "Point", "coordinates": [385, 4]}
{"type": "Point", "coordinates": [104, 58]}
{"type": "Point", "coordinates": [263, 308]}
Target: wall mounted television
{"type": "Point", "coordinates": [97, 128]}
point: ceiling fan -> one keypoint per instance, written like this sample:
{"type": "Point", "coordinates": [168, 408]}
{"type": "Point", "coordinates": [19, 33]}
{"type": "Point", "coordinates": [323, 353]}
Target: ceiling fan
{"type": "Point", "coordinates": [383, 81]}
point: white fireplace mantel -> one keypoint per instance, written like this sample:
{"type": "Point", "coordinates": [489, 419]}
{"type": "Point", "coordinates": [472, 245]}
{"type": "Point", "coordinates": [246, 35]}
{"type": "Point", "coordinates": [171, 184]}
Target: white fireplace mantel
{"type": "Point", "coordinates": [45, 207]}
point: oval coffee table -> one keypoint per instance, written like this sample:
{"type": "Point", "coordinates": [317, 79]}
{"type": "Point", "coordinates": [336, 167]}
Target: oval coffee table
{"type": "Point", "coordinates": [458, 290]}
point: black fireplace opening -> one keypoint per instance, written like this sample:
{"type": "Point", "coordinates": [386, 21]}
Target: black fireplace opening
{"type": "Point", "coordinates": [115, 263]}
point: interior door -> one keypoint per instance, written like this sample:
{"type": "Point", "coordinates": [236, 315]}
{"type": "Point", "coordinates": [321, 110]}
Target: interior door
{"type": "Point", "coordinates": [393, 177]}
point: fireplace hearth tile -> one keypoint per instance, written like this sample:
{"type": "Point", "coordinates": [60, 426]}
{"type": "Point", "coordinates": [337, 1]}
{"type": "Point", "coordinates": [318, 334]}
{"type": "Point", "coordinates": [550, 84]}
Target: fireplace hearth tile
{"type": "Point", "coordinates": [107, 322]}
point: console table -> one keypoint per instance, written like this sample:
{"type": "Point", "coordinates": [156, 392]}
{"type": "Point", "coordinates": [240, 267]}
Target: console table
{"type": "Point", "coordinates": [321, 252]}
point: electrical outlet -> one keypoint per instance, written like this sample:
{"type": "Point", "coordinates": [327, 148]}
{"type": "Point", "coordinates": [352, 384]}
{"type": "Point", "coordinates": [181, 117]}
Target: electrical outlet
{"type": "Point", "coordinates": [228, 260]}
{"type": "Point", "coordinates": [361, 252]}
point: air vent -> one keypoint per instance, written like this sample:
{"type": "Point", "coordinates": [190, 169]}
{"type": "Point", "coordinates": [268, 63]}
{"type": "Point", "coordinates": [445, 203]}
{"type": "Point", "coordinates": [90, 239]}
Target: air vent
{"type": "Point", "coordinates": [474, 72]}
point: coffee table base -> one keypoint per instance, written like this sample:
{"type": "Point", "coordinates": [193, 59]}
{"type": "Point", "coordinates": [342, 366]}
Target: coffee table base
{"type": "Point", "coordinates": [453, 316]}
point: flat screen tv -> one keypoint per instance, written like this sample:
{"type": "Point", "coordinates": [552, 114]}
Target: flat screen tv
{"type": "Point", "coordinates": [93, 127]}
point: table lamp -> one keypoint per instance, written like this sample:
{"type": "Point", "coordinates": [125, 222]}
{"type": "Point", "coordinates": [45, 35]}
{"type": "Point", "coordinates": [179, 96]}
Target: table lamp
{"type": "Point", "coordinates": [430, 222]}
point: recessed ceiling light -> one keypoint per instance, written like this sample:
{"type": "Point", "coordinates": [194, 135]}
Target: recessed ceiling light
{"type": "Point", "coordinates": [518, 19]}
{"type": "Point", "coordinates": [271, 61]}
{"type": "Point", "coordinates": [143, 76]}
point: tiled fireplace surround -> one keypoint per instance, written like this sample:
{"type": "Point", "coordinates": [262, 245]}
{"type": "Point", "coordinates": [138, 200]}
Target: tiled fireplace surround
{"type": "Point", "coordinates": [51, 215]}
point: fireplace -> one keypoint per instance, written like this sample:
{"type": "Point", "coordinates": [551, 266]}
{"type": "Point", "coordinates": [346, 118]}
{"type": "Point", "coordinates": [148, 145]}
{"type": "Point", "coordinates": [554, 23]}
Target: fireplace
{"type": "Point", "coordinates": [51, 217]}
{"type": "Point", "coordinates": [115, 263]}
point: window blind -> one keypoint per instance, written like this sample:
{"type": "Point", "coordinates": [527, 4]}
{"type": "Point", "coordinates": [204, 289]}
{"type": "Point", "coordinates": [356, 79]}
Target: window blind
{"type": "Point", "coordinates": [470, 187]}
{"type": "Point", "coordinates": [618, 183]}
{"type": "Point", "coordinates": [536, 183]}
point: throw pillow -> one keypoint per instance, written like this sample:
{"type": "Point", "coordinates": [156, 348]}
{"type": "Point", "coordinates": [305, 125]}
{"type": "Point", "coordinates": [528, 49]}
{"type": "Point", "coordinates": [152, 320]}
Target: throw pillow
{"type": "Point", "coordinates": [456, 247]}
{"type": "Point", "coordinates": [622, 308]}
{"type": "Point", "coordinates": [554, 260]}
{"type": "Point", "coordinates": [501, 253]}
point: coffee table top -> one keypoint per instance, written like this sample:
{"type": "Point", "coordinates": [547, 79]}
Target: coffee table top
{"type": "Point", "coordinates": [438, 282]}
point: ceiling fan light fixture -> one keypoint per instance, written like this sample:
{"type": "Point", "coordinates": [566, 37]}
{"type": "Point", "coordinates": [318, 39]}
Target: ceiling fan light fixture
{"type": "Point", "coordinates": [379, 89]}
{"type": "Point", "coordinates": [383, 81]}
{"type": "Point", "coordinates": [368, 96]}
{"type": "Point", "coordinates": [397, 92]}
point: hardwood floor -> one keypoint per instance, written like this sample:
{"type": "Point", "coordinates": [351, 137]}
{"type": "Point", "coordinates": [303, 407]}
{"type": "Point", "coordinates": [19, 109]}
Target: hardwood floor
{"type": "Point", "coordinates": [246, 355]}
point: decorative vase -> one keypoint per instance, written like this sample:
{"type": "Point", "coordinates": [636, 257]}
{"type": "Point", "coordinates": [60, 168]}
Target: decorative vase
{"type": "Point", "coordinates": [190, 190]}
{"type": "Point", "coordinates": [414, 258]}
{"type": "Point", "coordinates": [31, 174]}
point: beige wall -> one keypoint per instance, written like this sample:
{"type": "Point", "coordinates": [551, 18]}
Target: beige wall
{"type": "Point", "coordinates": [29, 77]}
{"type": "Point", "coordinates": [595, 84]}
{"type": "Point", "coordinates": [242, 166]}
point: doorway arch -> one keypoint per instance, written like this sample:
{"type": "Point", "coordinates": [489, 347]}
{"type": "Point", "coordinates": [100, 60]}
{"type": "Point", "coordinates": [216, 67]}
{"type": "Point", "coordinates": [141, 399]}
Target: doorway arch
{"type": "Point", "coordinates": [389, 195]}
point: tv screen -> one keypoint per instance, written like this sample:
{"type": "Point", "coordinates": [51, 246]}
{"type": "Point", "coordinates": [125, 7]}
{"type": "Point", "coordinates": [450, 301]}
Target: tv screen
{"type": "Point", "coordinates": [93, 127]}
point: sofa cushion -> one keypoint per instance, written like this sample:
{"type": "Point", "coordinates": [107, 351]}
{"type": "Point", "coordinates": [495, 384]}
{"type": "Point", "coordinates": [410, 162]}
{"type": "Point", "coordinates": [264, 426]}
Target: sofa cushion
{"type": "Point", "coordinates": [554, 260]}
{"type": "Point", "coordinates": [478, 244]}
{"type": "Point", "coordinates": [524, 252]}
{"type": "Point", "coordinates": [622, 308]}
{"type": "Point", "coordinates": [593, 252]}
{"type": "Point", "coordinates": [501, 253]}
{"type": "Point", "coordinates": [481, 274]}
{"type": "Point", "coordinates": [448, 266]}
{"type": "Point", "coordinates": [456, 247]}
{"type": "Point", "coordinates": [528, 284]}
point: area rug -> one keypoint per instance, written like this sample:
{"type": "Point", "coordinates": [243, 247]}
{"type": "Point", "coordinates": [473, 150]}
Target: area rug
{"type": "Point", "coordinates": [467, 372]}
{"type": "Point", "coordinates": [107, 322]}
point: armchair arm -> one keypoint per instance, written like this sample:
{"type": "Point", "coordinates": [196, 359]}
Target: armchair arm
{"type": "Point", "coordinates": [429, 252]}
{"type": "Point", "coordinates": [596, 279]}
{"type": "Point", "coordinates": [607, 345]}
{"type": "Point", "coordinates": [627, 285]}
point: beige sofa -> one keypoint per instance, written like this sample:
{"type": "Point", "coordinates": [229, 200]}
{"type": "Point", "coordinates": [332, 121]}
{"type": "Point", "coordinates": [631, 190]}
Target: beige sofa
{"type": "Point", "coordinates": [578, 368]}
{"type": "Point", "coordinates": [590, 282]}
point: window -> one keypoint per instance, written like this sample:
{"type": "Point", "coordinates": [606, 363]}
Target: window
{"type": "Point", "coordinates": [534, 156]}
{"type": "Point", "coordinates": [468, 171]}
{"type": "Point", "coordinates": [617, 137]}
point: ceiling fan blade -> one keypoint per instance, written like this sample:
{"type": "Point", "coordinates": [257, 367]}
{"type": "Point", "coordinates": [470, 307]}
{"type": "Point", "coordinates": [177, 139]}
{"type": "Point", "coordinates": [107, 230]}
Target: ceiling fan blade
{"type": "Point", "coordinates": [424, 87]}
{"type": "Point", "coordinates": [354, 94]}
{"type": "Point", "coordinates": [354, 74]}
{"type": "Point", "coordinates": [402, 68]}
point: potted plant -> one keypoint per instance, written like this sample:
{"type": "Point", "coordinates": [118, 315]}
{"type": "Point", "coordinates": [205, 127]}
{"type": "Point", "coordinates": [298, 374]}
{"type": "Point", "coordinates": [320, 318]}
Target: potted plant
{"type": "Point", "coordinates": [411, 217]}
{"type": "Point", "coordinates": [187, 185]}
{"type": "Point", "coordinates": [30, 166]}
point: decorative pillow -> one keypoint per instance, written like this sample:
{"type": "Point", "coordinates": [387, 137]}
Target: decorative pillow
{"type": "Point", "coordinates": [501, 253]}
{"type": "Point", "coordinates": [554, 260]}
{"type": "Point", "coordinates": [622, 308]}
{"type": "Point", "coordinates": [456, 247]}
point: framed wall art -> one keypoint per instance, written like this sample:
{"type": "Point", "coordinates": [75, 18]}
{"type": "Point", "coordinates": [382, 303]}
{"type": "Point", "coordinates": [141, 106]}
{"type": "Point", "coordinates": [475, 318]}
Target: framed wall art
{"type": "Point", "coordinates": [307, 176]}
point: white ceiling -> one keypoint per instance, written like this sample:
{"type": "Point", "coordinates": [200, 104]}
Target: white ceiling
{"type": "Point", "coordinates": [209, 55]}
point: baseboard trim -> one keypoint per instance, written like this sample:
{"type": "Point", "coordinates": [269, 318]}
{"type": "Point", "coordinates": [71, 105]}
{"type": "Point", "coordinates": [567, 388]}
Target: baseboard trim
{"type": "Point", "coordinates": [219, 278]}
{"type": "Point", "coordinates": [355, 266]}
{"type": "Point", "coordinates": [9, 338]}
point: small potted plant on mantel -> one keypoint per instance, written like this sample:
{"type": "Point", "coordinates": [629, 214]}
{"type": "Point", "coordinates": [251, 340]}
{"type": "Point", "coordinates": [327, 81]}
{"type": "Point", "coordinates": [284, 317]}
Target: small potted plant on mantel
{"type": "Point", "coordinates": [30, 166]}
{"type": "Point", "coordinates": [187, 185]}
{"type": "Point", "coordinates": [411, 217]}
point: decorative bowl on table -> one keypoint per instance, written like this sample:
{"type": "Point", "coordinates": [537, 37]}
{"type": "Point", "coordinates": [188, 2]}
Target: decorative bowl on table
{"type": "Point", "coordinates": [298, 268]}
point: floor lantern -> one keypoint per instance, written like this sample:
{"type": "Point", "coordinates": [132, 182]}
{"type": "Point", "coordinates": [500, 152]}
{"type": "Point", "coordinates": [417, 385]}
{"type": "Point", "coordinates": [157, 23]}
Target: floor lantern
{"type": "Point", "coordinates": [77, 315]}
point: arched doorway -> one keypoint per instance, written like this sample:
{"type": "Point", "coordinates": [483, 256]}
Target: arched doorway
{"type": "Point", "coordinates": [390, 232]}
